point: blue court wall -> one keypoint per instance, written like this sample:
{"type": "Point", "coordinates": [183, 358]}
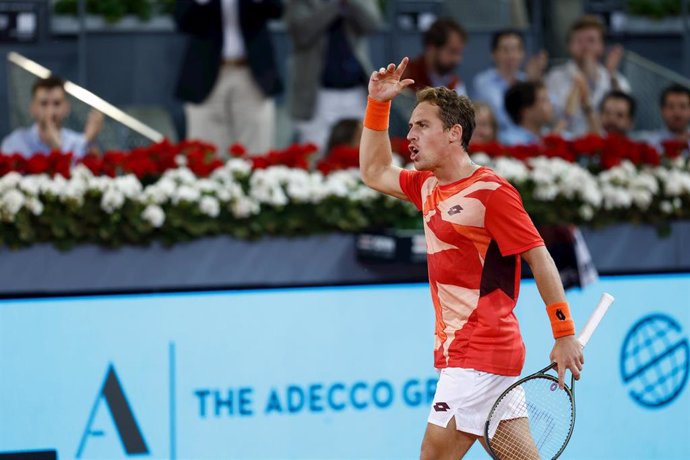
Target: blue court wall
{"type": "Point", "coordinates": [313, 373]}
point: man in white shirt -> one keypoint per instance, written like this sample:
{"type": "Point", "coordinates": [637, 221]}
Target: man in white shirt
{"type": "Point", "coordinates": [49, 109]}
{"type": "Point", "coordinates": [586, 48]}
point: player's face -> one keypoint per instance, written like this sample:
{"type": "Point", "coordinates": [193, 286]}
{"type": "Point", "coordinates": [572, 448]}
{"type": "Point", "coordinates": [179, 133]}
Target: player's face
{"type": "Point", "coordinates": [509, 53]}
{"type": "Point", "coordinates": [615, 116]}
{"type": "Point", "coordinates": [586, 44]}
{"type": "Point", "coordinates": [49, 104]}
{"type": "Point", "coordinates": [448, 56]}
{"type": "Point", "coordinates": [429, 140]}
{"type": "Point", "coordinates": [676, 112]}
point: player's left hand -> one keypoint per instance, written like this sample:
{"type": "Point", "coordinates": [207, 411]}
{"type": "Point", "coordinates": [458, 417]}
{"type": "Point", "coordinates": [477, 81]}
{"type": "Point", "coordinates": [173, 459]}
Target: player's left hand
{"type": "Point", "coordinates": [567, 354]}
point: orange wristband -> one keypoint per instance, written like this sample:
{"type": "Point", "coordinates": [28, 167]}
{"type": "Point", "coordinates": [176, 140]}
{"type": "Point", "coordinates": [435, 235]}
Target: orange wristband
{"type": "Point", "coordinates": [377, 114]}
{"type": "Point", "coordinates": [562, 322]}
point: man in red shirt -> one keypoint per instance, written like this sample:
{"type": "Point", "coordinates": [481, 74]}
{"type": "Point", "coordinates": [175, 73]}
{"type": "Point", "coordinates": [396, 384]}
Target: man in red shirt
{"type": "Point", "coordinates": [476, 231]}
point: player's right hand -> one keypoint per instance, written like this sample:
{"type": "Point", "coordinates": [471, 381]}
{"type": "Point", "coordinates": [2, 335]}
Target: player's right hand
{"type": "Point", "coordinates": [385, 83]}
{"type": "Point", "coordinates": [567, 354]}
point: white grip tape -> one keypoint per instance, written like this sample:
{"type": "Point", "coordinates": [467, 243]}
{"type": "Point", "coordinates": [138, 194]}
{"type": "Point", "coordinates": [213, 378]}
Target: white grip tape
{"type": "Point", "coordinates": [596, 317]}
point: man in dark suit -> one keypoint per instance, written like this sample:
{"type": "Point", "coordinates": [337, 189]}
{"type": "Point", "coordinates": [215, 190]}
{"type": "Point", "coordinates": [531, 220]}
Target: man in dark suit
{"type": "Point", "coordinates": [229, 76]}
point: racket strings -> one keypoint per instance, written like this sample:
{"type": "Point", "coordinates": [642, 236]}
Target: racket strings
{"type": "Point", "coordinates": [532, 421]}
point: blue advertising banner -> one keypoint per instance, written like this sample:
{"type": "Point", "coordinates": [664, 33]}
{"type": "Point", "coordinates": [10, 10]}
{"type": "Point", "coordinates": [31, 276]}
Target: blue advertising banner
{"type": "Point", "coordinates": [313, 373]}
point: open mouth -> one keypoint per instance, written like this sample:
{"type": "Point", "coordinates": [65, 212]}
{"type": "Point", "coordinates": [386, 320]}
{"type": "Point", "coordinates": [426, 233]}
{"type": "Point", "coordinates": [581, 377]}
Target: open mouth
{"type": "Point", "coordinates": [414, 151]}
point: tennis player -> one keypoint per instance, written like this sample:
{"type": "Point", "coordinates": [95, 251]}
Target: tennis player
{"type": "Point", "coordinates": [476, 231]}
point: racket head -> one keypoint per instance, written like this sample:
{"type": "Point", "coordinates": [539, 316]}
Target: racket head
{"type": "Point", "coordinates": [538, 419]}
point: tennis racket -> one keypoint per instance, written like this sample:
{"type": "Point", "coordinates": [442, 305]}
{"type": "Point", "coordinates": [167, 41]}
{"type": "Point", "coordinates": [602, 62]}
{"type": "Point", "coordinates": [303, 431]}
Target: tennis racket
{"type": "Point", "coordinates": [534, 418]}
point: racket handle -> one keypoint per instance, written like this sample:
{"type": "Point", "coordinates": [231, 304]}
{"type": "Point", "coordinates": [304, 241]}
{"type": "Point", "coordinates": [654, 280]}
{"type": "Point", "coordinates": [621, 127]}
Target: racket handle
{"type": "Point", "coordinates": [596, 317]}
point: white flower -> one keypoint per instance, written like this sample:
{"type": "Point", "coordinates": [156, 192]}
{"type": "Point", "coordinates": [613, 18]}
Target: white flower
{"type": "Point", "coordinates": [642, 198]}
{"type": "Point", "coordinates": [12, 202]}
{"type": "Point", "coordinates": [546, 192]}
{"type": "Point", "coordinates": [209, 206]}
{"type": "Point", "coordinates": [30, 185]}
{"type": "Point", "coordinates": [10, 181]}
{"type": "Point", "coordinates": [112, 200]}
{"type": "Point", "coordinates": [512, 170]}
{"type": "Point", "coordinates": [180, 160]}
{"type": "Point", "coordinates": [586, 212]}
{"type": "Point", "coordinates": [129, 185]}
{"type": "Point", "coordinates": [481, 158]}
{"type": "Point", "coordinates": [666, 207]}
{"type": "Point", "coordinates": [35, 206]}
{"type": "Point", "coordinates": [238, 167]}
{"type": "Point", "coordinates": [244, 207]}
{"type": "Point", "coordinates": [154, 215]}
{"type": "Point", "coordinates": [186, 193]}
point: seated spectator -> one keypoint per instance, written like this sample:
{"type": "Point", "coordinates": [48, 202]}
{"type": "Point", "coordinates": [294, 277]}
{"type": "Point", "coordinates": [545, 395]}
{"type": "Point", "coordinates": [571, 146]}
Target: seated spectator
{"type": "Point", "coordinates": [443, 43]}
{"type": "Point", "coordinates": [617, 113]}
{"type": "Point", "coordinates": [675, 112]}
{"type": "Point", "coordinates": [530, 109]}
{"type": "Point", "coordinates": [586, 48]}
{"type": "Point", "coordinates": [346, 131]}
{"type": "Point", "coordinates": [485, 125]}
{"type": "Point", "coordinates": [508, 54]}
{"type": "Point", "coordinates": [49, 108]}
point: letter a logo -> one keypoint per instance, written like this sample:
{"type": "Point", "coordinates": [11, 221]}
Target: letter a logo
{"type": "Point", "coordinates": [122, 415]}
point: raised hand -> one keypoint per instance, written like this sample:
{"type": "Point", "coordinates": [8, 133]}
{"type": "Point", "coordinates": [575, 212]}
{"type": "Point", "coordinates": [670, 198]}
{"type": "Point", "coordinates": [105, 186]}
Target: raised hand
{"type": "Point", "coordinates": [536, 65]}
{"type": "Point", "coordinates": [613, 58]}
{"type": "Point", "coordinates": [94, 124]}
{"type": "Point", "coordinates": [385, 83]}
{"type": "Point", "coordinates": [49, 132]}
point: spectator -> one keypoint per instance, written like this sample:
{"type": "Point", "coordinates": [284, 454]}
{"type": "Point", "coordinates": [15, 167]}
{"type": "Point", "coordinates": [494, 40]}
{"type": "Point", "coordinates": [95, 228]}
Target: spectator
{"type": "Point", "coordinates": [49, 108]}
{"type": "Point", "coordinates": [485, 124]}
{"type": "Point", "coordinates": [675, 112]}
{"type": "Point", "coordinates": [346, 131]}
{"type": "Point", "coordinates": [508, 54]}
{"type": "Point", "coordinates": [586, 48]}
{"type": "Point", "coordinates": [530, 109]}
{"type": "Point", "coordinates": [228, 74]}
{"type": "Point", "coordinates": [330, 64]}
{"type": "Point", "coordinates": [444, 43]}
{"type": "Point", "coordinates": [617, 113]}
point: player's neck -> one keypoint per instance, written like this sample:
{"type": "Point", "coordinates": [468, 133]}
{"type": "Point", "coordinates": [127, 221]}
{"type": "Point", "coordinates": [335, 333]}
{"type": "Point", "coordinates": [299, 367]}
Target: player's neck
{"type": "Point", "coordinates": [457, 168]}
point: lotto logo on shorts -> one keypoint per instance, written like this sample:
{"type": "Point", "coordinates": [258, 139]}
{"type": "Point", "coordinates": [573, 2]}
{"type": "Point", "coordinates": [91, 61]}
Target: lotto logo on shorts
{"type": "Point", "coordinates": [441, 407]}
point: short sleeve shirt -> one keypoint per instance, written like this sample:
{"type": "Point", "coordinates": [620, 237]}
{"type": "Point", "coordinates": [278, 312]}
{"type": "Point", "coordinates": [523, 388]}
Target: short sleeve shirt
{"type": "Point", "coordinates": [476, 229]}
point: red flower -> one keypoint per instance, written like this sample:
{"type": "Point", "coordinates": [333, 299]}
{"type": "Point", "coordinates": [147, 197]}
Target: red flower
{"type": "Point", "coordinates": [37, 164]}
{"type": "Point", "coordinates": [589, 145]}
{"type": "Point", "coordinates": [674, 148]}
{"type": "Point", "coordinates": [557, 147]}
{"type": "Point", "coordinates": [237, 150]}
{"type": "Point", "coordinates": [493, 149]}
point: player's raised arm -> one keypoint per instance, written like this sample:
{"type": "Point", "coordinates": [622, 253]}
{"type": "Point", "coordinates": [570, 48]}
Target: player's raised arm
{"type": "Point", "coordinates": [375, 154]}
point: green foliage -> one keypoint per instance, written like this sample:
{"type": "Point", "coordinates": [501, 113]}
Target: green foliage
{"type": "Point", "coordinates": [114, 10]}
{"type": "Point", "coordinates": [656, 9]}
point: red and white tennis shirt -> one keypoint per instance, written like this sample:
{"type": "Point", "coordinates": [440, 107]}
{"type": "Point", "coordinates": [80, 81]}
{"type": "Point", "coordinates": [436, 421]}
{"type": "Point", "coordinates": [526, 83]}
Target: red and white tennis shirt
{"type": "Point", "coordinates": [475, 230]}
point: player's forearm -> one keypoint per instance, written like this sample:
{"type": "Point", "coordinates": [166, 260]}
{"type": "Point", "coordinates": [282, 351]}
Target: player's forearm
{"type": "Point", "coordinates": [545, 275]}
{"type": "Point", "coordinates": [375, 155]}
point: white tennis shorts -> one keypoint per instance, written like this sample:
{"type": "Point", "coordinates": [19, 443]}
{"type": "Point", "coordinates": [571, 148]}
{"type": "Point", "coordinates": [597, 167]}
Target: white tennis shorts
{"type": "Point", "coordinates": [468, 395]}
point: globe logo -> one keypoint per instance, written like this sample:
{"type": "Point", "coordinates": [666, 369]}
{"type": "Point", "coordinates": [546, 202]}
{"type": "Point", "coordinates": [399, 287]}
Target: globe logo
{"type": "Point", "coordinates": [654, 360]}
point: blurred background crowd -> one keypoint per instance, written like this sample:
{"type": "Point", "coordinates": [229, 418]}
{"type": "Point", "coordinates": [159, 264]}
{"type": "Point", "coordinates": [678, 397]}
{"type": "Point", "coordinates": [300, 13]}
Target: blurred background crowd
{"type": "Point", "coordinates": [265, 74]}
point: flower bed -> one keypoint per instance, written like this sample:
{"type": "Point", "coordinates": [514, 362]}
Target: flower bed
{"type": "Point", "coordinates": [177, 192]}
